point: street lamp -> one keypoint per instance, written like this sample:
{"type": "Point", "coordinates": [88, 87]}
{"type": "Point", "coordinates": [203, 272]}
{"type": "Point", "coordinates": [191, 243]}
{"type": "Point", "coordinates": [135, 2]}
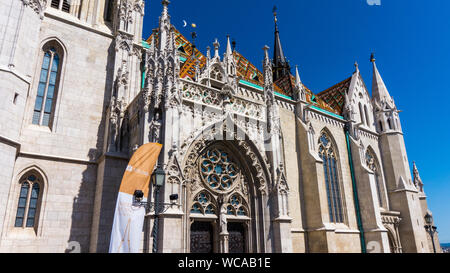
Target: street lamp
{"type": "Point", "coordinates": [158, 177]}
{"type": "Point", "coordinates": [430, 228]}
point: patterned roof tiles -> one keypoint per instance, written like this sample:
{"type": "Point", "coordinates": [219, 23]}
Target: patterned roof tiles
{"type": "Point", "coordinates": [335, 95]}
{"type": "Point", "coordinates": [248, 72]}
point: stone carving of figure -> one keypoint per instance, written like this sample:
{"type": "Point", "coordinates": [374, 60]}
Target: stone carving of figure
{"type": "Point", "coordinates": [223, 220]}
{"type": "Point", "coordinates": [155, 128]}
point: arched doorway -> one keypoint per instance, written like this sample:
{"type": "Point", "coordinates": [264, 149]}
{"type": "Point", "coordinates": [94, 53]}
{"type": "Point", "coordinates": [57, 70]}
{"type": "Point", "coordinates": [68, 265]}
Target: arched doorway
{"type": "Point", "coordinates": [223, 193]}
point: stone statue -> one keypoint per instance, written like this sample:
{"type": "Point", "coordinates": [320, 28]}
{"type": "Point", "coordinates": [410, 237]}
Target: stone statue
{"type": "Point", "coordinates": [223, 220]}
{"type": "Point", "coordinates": [155, 128]}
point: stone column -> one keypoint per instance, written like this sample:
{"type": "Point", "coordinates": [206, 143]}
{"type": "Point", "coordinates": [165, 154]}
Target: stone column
{"type": "Point", "coordinates": [224, 242]}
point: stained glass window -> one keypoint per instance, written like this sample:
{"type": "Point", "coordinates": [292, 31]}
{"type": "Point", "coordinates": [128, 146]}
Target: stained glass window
{"type": "Point", "coordinates": [203, 204]}
{"type": "Point", "coordinates": [236, 206]}
{"type": "Point", "coordinates": [330, 168]}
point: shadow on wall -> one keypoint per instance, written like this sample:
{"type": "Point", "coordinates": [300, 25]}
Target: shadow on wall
{"type": "Point", "coordinates": [82, 210]}
{"type": "Point", "coordinates": [84, 202]}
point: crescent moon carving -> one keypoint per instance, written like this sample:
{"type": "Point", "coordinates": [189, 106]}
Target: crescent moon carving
{"type": "Point", "coordinates": [185, 23]}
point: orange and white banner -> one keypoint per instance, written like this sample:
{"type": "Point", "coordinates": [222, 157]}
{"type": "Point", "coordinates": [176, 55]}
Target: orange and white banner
{"type": "Point", "coordinates": [128, 219]}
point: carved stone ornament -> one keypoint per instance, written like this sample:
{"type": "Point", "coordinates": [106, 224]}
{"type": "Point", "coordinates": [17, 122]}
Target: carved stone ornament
{"type": "Point", "coordinates": [38, 6]}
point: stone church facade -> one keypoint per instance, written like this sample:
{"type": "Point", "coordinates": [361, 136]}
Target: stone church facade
{"type": "Point", "coordinates": [259, 162]}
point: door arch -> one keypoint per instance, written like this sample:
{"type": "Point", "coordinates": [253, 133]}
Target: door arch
{"type": "Point", "coordinates": [224, 190]}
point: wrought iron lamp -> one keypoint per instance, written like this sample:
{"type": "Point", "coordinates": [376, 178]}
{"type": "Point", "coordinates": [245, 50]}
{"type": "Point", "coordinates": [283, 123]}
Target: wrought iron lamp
{"type": "Point", "coordinates": [430, 228]}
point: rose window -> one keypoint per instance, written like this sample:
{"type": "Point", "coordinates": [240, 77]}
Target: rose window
{"type": "Point", "coordinates": [218, 170]}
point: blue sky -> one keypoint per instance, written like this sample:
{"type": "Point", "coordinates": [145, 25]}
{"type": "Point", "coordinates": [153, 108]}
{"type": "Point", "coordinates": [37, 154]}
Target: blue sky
{"type": "Point", "coordinates": [410, 38]}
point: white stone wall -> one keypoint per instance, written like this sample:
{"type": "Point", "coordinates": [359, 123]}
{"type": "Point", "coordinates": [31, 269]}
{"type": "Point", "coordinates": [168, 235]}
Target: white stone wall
{"type": "Point", "coordinates": [7, 154]}
{"type": "Point", "coordinates": [66, 207]}
{"type": "Point", "coordinates": [77, 130]}
{"type": "Point", "coordinates": [67, 151]}
{"type": "Point", "coordinates": [291, 160]}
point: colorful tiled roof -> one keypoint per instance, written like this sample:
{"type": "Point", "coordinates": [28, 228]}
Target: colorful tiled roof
{"type": "Point", "coordinates": [335, 95]}
{"type": "Point", "coordinates": [246, 71]}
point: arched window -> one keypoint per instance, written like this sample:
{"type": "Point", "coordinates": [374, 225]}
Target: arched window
{"type": "Point", "coordinates": [389, 123]}
{"type": "Point", "coordinates": [361, 113]}
{"type": "Point", "coordinates": [44, 106]}
{"type": "Point", "coordinates": [204, 204]}
{"type": "Point", "coordinates": [381, 126]}
{"type": "Point", "coordinates": [330, 168]}
{"type": "Point", "coordinates": [372, 163]}
{"type": "Point", "coordinates": [29, 201]}
{"type": "Point", "coordinates": [367, 115]}
{"type": "Point", "coordinates": [63, 5]}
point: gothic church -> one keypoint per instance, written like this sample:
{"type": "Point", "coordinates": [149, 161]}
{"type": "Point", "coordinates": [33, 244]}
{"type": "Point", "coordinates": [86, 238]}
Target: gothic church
{"type": "Point", "coordinates": [253, 160]}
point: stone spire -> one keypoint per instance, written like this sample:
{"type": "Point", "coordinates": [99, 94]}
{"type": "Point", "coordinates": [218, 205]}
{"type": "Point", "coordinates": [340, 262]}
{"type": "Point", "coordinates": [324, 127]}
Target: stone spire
{"type": "Point", "coordinates": [229, 59]}
{"type": "Point", "coordinates": [281, 67]}
{"type": "Point", "coordinates": [208, 53]}
{"type": "Point", "coordinates": [267, 70]}
{"type": "Point", "coordinates": [164, 25]}
{"type": "Point", "coordinates": [298, 81]}
{"type": "Point", "coordinates": [299, 93]}
{"type": "Point", "coordinates": [229, 52]}
{"type": "Point", "coordinates": [379, 91]}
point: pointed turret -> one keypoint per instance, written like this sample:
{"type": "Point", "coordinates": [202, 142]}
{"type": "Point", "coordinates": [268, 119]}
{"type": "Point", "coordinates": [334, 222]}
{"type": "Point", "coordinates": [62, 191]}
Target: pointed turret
{"type": "Point", "coordinates": [267, 70]}
{"type": "Point", "coordinates": [229, 58]}
{"type": "Point", "coordinates": [298, 81]}
{"type": "Point", "coordinates": [229, 52]}
{"type": "Point", "coordinates": [299, 93]}
{"type": "Point", "coordinates": [208, 53]}
{"type": "Point", "coordinates": [281, 67]}
{"type": "Point", "coordinates": [164, 25]}
{"type": "Point", "coordinates": [379, 91]}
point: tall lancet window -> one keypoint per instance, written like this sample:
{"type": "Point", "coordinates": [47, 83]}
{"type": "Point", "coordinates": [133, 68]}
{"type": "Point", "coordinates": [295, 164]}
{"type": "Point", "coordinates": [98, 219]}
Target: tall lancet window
{"type": "Point", "coordinates": [372, 163]}
{"type": "Point", "coordinates": [44, 106]}
{"type": "Point", "coordinates": [29, 200]}
{"type": "Point", "coordinates": [330, 168]}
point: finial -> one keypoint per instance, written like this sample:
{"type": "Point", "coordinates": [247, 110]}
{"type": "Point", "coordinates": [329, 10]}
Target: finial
{"type": "Point", "coordinates": [233, 44]}
{"type": "Point", "coordinates": [165, 4]}
{"type": "Point", "coordinates": [229, 50]}
{"type": "Point", "coordinates": [208, 52]}
{"type": "Point", "coordinates": [297, 76]}
{"type": "Point", "coordinates": [372, 57]}
{"type": "Point", "coordinates": [356, 66]}
{"type": "Point", "coordinates": [216, 48]}
{"type": "Point", "coordinates": [274, 11]}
